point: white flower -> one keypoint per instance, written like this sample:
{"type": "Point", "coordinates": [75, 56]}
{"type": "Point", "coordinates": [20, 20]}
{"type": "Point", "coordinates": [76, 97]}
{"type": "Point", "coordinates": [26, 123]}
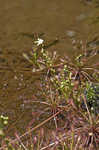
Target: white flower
{"type": "Point", "coordinates": [39, 41]}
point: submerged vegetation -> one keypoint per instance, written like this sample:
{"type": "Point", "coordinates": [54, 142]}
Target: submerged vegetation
{"type": "Point", "coordinates": [68, 95]}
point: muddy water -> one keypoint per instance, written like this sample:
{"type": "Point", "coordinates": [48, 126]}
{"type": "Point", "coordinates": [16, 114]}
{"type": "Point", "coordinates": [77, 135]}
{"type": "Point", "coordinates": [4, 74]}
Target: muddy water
{"type": "Point", "coordinates": [18, 20]}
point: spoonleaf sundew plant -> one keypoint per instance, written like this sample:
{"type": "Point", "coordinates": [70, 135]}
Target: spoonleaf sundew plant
{"type": "Point", "coordinates": [68, 92]}
{"type": "Point", "coordinates": [68, 86]}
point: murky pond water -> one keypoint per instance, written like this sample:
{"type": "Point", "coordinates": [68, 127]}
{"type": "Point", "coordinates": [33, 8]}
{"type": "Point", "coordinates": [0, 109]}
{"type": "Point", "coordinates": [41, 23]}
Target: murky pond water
{"type": "Point", "coordinates": [18, 20]}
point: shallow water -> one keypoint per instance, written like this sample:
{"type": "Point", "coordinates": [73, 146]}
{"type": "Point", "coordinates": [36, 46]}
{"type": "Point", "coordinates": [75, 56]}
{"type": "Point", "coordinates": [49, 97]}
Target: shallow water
{"type": "Point", "coordinates": [18, 20]}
